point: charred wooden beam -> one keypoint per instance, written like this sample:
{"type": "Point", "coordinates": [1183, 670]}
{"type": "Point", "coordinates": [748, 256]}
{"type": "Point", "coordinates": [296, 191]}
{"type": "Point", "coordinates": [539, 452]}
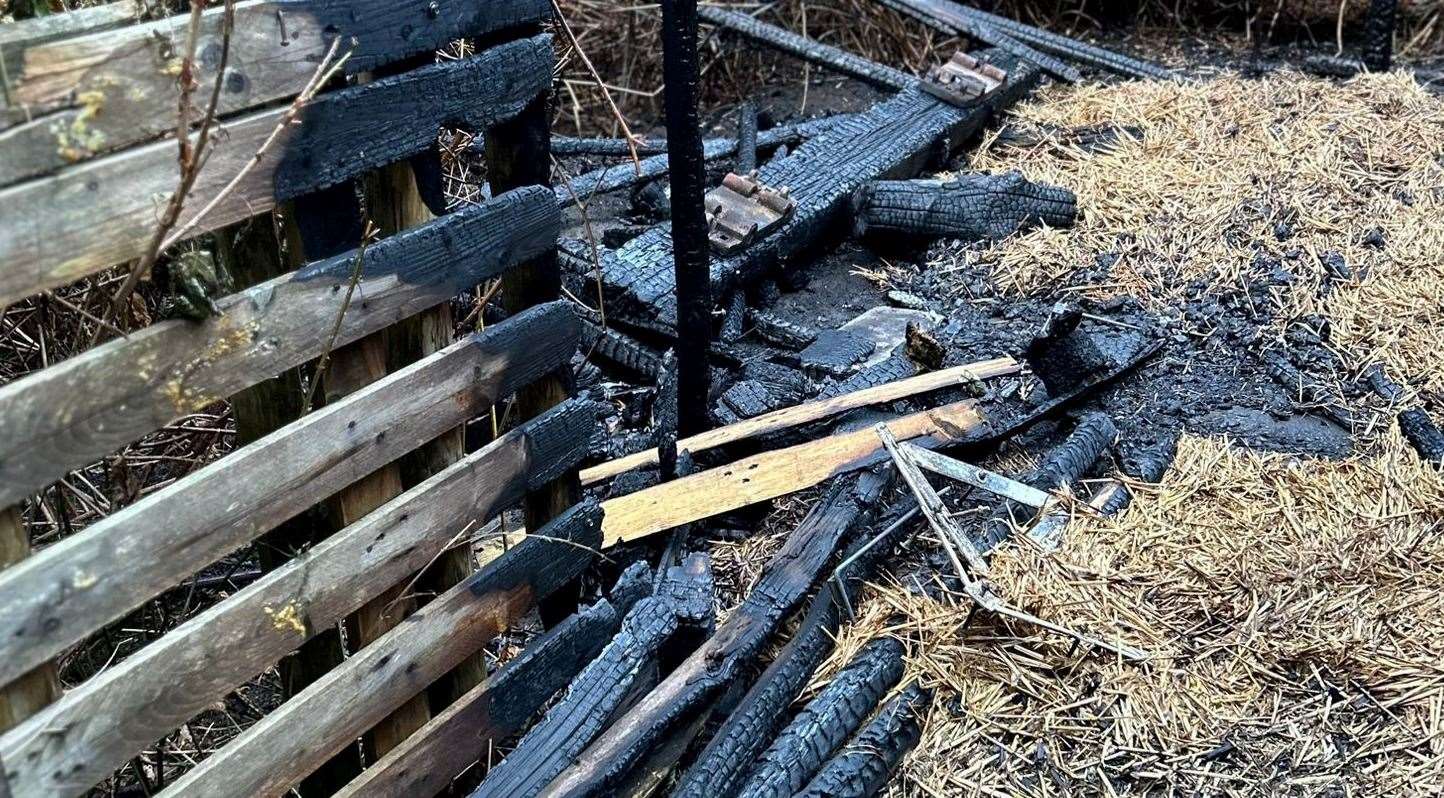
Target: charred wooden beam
{"type": "Point", "coordinates": [569, 146]}
{"type": "Point", "coordinates": [955, 18]}
{"type": "Point", "coordinates": [102, 212]}
{"type": "Point", "coordinates": [739, 639]}
{"type": "Point", "coordinates": [989, 34]}
{"type": "Point", "coordinates": [892, 139]}
{"type": "Point", "coordinates": [110, 717]}
{"type": "Point", "coordinates": [862, 768]}
{"type": "Point", "coordinates": [426, 762]}
{"type": "Point", "coordinates": [826, 722]}
{"type": "Point", "coordinates": [833, 58]}
{"type": "Point", "coordinates": [265, 759]}
{"type": "Point", "coordinates": [571, 725]}
{"type": "Point", "coordinates": [1064, 465]}
{"type": "Point", "coordinates": [973, 207]}
{"type": "Point", "coordinates": [75, 412]}
{"type": "Point", "coordinates": [266, 483]}
{"type": "Point", "coordinates": [762, 711]}
{"type": "Point", "coordinates": [622, 350]}
{"type": "Point", "coordinates": [613, 178]}
{"type": "Point", "coordinates": [781, 332]}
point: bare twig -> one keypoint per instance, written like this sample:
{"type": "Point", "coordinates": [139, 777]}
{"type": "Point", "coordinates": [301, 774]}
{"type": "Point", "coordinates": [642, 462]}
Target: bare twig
{"type": "Point", "coordinates": [617, 112]}
{"type": "Point", "coordinates": [369, 231]}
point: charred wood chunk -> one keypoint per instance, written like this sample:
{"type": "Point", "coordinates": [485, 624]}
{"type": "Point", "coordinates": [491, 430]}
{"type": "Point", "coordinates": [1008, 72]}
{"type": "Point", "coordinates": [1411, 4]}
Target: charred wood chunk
{"type": "Point", "coordinates": [896, 367]}
{"type": "Point", "coordinates": [746, 399]}
{"type": "Point", "coordinates": [862, 768]}
{"type": "Point", "coordinates": [736, 318]}
{"type": "Point", "coordinates": [784, 381]}
{"type": "Point", "coordinates": [689, 586]}
{"type": "Point", "coordinates": [1421, 431]}
{"type": "Point", "coordinates": [1062, 356]}
{"type": "Point", "coordinates": [780, 332]}
{"type": "Point", "coordinates": [835, 353]}
{"type": "Point", "coordinates": [973, 207]}
{"type": "Point", "coordinates": [826, 722]}
{"type": "Point", "coordinates": [621, 350]}
{"type": "Point", "coordinates": [633, 481]}
{"type": "Point", "coordinates": [632, 586]}
{"type": "Point", "coordinates": [1064, 465]}
{"type": "Point", "coordinates": [589, 703]}
{"type": "Point", "coordinates": [606, 445]}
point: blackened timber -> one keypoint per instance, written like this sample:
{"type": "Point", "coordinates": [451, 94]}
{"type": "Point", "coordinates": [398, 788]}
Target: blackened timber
{"type": "Point", "coordinates": [762, 711]}
{"type": "Point", "coordinates": [746, 138]}
{"type": "Point", "coordinates": [892, 139]}
{"type": "Point", "coordinates": [103, 211]}
{"type": "Point", "coordinates": [835, 59]}
{"type": "Point", "coordinates": [75, 98]}
{"type": "Point", "coordinates": [1379, 34]}
{"type": "Point", "coordinates": [580, 716]}
{"type": "Point", "coordinates": [789, 575]}
{"type": "Point", "coordinates": [972, 207]}
{"type": "Point", "coordinates": [862, 768]}
{"type": "Point", "coordinates": [266, 760]}
{"type": "Point", "coordinates": [989, 34]}
{"type": "Point", "coordinates": [83, 408]}
{"type": "Point", "coordinates": [569, 146]}
{"type": "Point", "coordinates": [825, 723]}
{"type": "Point", "coordinates": [622, 350]}
{"type": "Point", "coordinates": [426, 762]}
{"type": "Point", "coordinates": [691, 247]}
{"type": "Point", "coordinates": [1047, 41]}
{"type": "Point", "coordinates": [612, 178]}
{"type": "Point", "coordinates": [114, 715]}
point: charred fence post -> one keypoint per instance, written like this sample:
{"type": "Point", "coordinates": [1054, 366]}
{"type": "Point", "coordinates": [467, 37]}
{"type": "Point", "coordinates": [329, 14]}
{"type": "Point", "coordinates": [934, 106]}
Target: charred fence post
{"type": "Point", "coordinates": [1379, 35]}
{"type": "Point", "coordinates": [862, 767]}
{"type": "Point", "coordinates": [689, 216]}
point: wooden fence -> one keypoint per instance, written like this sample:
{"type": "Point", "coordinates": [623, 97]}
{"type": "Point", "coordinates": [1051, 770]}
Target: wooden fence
{"type": "Point", "coordinates": [88, 163]}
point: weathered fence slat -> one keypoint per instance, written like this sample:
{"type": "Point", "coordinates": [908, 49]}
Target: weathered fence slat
{"type": "Point", "coordinates": [83, 408]}
{"type": "Point", "coordinates": [102, 212]}
{"type": "Point", "coordinates": [269, 757]}
{"type": "Point", "coordinates": [107, 719]}
{"type": "Point", "coordinates": [69, 590]}
{"type": "Point", "coordinates": [73, 99]}
{"type": "Point", "coordinates": [427, 761]}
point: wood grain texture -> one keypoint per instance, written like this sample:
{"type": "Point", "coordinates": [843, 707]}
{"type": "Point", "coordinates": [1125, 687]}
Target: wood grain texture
{"type": "Point", "coordinates": [102, 212]}
{"type": "Point", "coordinates": [772, 474]}
{"type": "Point", "coordinates": [107, 719]}
{"type": "Point", "coordinates": [486, 715]}
{"type": "Point", "coordinates": [76, 586]}
{"type": "Point", "coordinates": [73, 99]}
{"type": "Point", "coordinates": [25, 694]}
{"type": "Point", "coordinates": [72, 413]}
{"type": "Point", "coordinates": [18, 36]}
{"type": "Point", "coordinates": [274, 754]}
{"type": "Point", "coordinates": [796, 415]}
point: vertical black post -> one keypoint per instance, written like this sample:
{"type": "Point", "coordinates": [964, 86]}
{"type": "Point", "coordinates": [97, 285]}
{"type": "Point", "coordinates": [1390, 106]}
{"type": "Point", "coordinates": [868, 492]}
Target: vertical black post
{"type": "Point", "coordinates": [1379, 35]}
{"type": "Point", "coordinates": [689, 219]}
{"type": "Point", "coordinates": [746, 137]}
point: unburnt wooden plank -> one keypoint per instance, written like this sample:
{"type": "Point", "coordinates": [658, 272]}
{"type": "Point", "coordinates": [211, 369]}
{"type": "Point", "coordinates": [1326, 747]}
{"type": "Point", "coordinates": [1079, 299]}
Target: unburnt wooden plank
{"type": "Point", "coordinates": [796, 415]}
{"type": "Point", "coordinates": [465, 731]}
{"type": "Point", "coordinates": [107, 719]}
{"type": "Point", "coordinates": [19, 36]}
{"type": "Point", "coordinates": [73, 99]}
{"type": "Point", "coordinates": [102, 212]}
{"type": "Point", "coordinates": [72, 413]}
{"type": "Point", "coordinates": [70, 589]}
{"type": "Point", "coordinates": [772, 474]}
{"type": "Point", "coordinates": [275, 753]}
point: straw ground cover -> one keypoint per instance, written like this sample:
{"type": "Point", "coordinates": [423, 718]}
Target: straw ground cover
{"type": "Point", "coordinates": [1236, 181]}
{"type": "Point", "coordinates": [1294, 614]}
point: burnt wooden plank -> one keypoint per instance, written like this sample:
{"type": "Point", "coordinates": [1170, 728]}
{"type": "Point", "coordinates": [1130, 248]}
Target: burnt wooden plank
{"type": "Point", "coordinates": [70, 414]}
{"type": "Point", "coordinates": [271, 756]}
{"type": "Point", "coordinates": [77, 741]}
{"type": "Point", "coordinates": [73, 99]}
{"type": "Point", "coordinates": [892, 139]}
{"type": "Point", "coordinates": [972, 206]}
{"type": "Point", "coordinates": [102, 212]}
{"type": "Point", "coordinates": [825, 55]}
{"type": "Point", "coordinates": [70, 589]}
{"type": "Point", "coordinates": [863, 766]}
{"type": "Point", "coordinates": [789, 575]}
{"type": "Point", "coordinates": [426, 762]}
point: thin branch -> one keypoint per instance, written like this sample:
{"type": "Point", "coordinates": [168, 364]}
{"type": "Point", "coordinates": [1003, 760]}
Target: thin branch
{"type": "Point", "coordinates": [617, 112]}
{"type": "Point", "coordinates": [369, 231]}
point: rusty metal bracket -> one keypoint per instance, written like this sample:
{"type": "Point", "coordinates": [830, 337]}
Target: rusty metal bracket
{"type": "Point", "coordinates": [963, 80]}
{"type": "Point", "coordinates": [741, 210]}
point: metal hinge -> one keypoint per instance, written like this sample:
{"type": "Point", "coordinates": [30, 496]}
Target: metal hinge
{"type": "Point", "coordinates": [963, 80]}
{"type": "Point", "coordinates": [741, 210]}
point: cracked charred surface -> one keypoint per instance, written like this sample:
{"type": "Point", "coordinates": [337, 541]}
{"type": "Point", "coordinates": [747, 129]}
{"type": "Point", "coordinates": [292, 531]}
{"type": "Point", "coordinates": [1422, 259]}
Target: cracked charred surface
{"type": "Point", "coordinates": [971, 207]}
{"type": "Point", "coordinates": [863, 766]}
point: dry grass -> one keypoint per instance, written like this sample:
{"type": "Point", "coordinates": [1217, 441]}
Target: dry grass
{"type": "Point", "coordinates": [1294, 610]}
{"type": "Point", "coordinates": [1224, 168]}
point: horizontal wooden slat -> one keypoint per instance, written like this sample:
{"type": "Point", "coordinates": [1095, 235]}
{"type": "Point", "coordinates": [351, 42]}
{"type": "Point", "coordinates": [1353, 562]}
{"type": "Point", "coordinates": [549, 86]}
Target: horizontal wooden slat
{"type": "Point", "coordinates": [96, 727]}
{"type": "Point", "coordinates": [96, 214]}
{"type": "Point", "coordinates": [271, 756]}
{"type": "Point", "coordinates": [71, 589]}
{"type": "Point", "coordinates": [487, 714]}
{"type": "Point", "coordinates": [16, 38]}
{"type": "Point", "coordinates": [70, 414]}
{"type": "Point", "coordinates": [771, 474]}
{"type": "Point", "coordinates": [73, 99]}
